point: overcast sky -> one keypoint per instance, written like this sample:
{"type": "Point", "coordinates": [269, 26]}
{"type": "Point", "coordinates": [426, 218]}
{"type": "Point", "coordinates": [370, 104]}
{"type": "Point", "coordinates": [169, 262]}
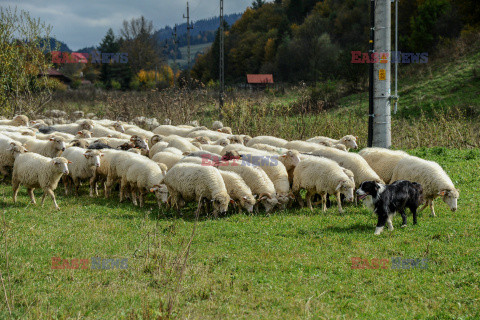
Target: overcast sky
{"type": "Point", "coordinates": [84, 23]}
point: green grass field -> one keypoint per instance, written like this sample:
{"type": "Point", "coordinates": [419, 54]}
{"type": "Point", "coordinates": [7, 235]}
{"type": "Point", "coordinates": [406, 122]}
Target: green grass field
{"type": "Point", "coordinates": [288, 265]}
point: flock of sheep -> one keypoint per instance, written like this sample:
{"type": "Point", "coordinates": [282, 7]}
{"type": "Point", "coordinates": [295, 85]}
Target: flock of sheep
{"type": "Point", "coordinates": [190, 163]}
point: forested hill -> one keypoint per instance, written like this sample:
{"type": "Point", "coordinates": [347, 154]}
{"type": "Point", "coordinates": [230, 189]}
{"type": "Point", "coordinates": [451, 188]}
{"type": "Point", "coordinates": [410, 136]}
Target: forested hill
{"type": "Point", "coordinates": [311, 40]}
{"type": "Point", "coordinates": [203, 30]}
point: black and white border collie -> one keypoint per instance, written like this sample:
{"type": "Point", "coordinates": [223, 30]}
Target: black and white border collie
{"type": "Point", "coordinates": [392, 198]}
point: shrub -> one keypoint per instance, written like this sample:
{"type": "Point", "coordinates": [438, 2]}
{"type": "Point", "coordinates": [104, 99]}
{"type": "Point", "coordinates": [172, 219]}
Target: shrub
{"type": "Point", "coordinates": [75, 84]}
{"type": "Point", "coordinates": [115, 85]}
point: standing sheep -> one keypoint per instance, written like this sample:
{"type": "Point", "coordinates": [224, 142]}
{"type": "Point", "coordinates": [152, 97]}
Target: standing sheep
{"type": "Point", "coordinates": [82, 165]}
{"type": "Point", "coordinates": [192, 182]}
{"type": "Point", "coordinates": [36, 171]}
{"type": "Point", "coordinates": [383, 161]}
{"type": "Point", "coordinates": [322, 176]}
{"type": "Point", "coordinates": [431, 176]}
{"type": "Point", "coordinates": [51, 148]}
{"type": "Point", "coordinates": [238, 190]}
{"type": "Point", "coordinates": [8, 151]}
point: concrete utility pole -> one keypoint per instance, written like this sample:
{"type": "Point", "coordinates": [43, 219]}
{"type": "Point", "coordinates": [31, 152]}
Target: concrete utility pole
{"type": "Point", "coordinates": [189, 27]}
{"type": "Point", "coordinates": [381, 84]}
{"type": "Point", "coordinates": [222, 61]}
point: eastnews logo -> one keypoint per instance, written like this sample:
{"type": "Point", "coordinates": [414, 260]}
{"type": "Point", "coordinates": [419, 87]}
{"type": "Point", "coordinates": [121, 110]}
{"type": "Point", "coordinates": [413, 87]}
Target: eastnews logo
{"type": "Point", "coordinates": [94, 263]}
{"type": "Point", "coordinates": [395, 263]}
{"type": "Point", "coordinates": [96, 57]}
{"type": "Point", "coordinates": [383, 57]}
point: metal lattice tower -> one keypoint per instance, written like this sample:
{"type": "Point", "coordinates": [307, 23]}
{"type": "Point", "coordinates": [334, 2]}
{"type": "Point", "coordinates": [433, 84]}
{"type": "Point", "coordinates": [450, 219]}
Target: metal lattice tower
{"type": "Point", "coordinates": [222, 60]}
{"type": "Point", "coordinates": [189, 27]}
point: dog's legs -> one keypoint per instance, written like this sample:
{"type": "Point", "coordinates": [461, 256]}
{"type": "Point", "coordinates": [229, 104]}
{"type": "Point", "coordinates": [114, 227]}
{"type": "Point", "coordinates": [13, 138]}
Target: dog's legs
{"type": "Point", "coordinates": [432, 210]}
{"type": "Point", "coordinates": [404, 218]}
{"type": "Point", "coordinates": [382, 219]}
{"type": "Point", "coordinates": [389, 222]}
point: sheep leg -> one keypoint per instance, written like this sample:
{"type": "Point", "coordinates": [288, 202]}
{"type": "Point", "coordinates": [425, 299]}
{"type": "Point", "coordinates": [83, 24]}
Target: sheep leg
{"type": "Point", "coordinates": [122, 189]}
{"type": "Point", "coordinates": [339, 202]}
{"type": "Point", "coordinates": [52, 195]}
{"type": "Point", "coordinates": [32, 196]}
{"type": "Point", "coordinates": [108, 186]}
{"type": "Point", "coordinates": [324, 202]}
{"type": "Point", "coordinates": [308, 197]}
{"type": "Point", "coordinates": [141, 196]}
{"type": "Point", "coordinates": [432, 210]}
{"type": "Point", "coordinates": [16, 186]}
{"type": "Point", "coordinates": [76, 183]}
{"type": "Point", "coordinates": [93, 186]}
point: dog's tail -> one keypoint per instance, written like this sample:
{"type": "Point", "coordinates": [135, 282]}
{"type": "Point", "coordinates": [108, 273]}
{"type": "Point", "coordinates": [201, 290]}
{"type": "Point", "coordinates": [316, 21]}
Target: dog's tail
{"type": "Point", "coordinates": [419, 189]}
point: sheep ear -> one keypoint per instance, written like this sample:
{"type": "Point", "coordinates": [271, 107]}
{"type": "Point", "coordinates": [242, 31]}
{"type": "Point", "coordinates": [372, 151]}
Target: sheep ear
{"type": "Point", "coordinates": [132, 139]}
{"type": "Point", "coordinates": [102, 154]}
{"type": "Point", "coordinates": [79, 132]}
{"type": "Point", "coordinates": [441, 193]}
{"type": "Point", "coordinates": [51, 139]}
{"type": "Point", "coordinates": [339, 185]}
{"type": "Point", "coordinates": [232, 201]}
{"type": "Point", "coordinates": [283, 155]}
{"type": "Point", "coordinates": [69, 161]}
{"type": "Point", "coordinates": [109, 136]}
{"type": "Point", "coordinates": [244, 197]}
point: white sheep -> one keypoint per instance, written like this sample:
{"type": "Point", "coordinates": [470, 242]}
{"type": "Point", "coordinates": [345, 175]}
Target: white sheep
{"type": "Point", "coordinates": [118, 166]}
{"type": "Point", "coordinates": [36, 171]}
{"type": "Point", "coordinates": [238, 190]}
{"type": "Point", "coordinates": [431, 176]}
{"type": "Point", "coordinates": [182, 144]}
{"type": "Point", "coordinates": [221, 142]}
{"type": "Point", "coordinates": [9, 148]}
{"type": "Point", "coordinates": [19, 120]}
{"type": "Point", "coordinates": [51, 148]}
{"type": "Point", "coordinates": [383, 161]}
{"type": "Point", "coordinates": [212, 135]}
{"type": "Point", "coordinates": [191, 182]}
{"type": "Point", "coordinates": [217, 125]}
{"type": "Point", "coordinates": [217, 149]}
{"type": "Point", "coordinates": [304, 146]}
{"type": "Point", "coordinates": [167, 158]}
{"type": "Point", "coordinates": [156, 148]}
{"type": "Point", "coordinates": [139, 132]}
{"type": "Point", "coordinates": [167, 130]}
{"type": "Point", "coordinates": [256, 179]}
{"type": "Point", "coordinates": [101, 131]}
{"type": "Point", "coordinates": [269, 148]}
{"type": "Point", "coordinates": [322, 176]}
{"type": "Point", "coordinates": [17, 136]}
{"type": "Point", "coordinates": [351, 161]}
{"type": "Point", "coordinates": [73, 128]}
{"type": "Point", "coordinates": [84, 134]}
{"type": "Point", "coordinates": [348, 141]}
{"type": "Point", "coordinates": [290, 160]}
{"type": "Point", "coordinates": [154, 140]}
{"type": "Point", "coordinates": [145, 175]}
{"type": "Point", "coordinates": [84, 164]}
{"type": "Point", "coordinates": [273, 141]}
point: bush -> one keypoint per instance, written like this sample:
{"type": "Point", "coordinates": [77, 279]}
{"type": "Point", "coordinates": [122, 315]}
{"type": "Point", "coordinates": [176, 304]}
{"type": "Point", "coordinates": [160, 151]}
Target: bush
{"type": "Point", "coordinates": [115, 85]}
{"type": "Point", "coordinates": [134, 84]}
{"type": "Point", "coordinates": [76, 84]}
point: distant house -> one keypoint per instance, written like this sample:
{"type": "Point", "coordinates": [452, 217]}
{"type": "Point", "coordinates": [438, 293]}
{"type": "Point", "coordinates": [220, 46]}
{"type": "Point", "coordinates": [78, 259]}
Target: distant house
{"type": "Point", "coordinates": [54, 74]}
{"type": "Point", "coordinates": [259, 81]}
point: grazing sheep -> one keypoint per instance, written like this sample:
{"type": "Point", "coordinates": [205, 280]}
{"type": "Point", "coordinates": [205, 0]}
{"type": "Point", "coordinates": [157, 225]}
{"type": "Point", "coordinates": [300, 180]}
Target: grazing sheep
{"type": "Point", "coordinates": [192, 182]}
{"type": "Point", "coordinates": [17, 136]}
{"type": "Point", "coordinates": [273, 141]}
{"type": "Point", "coordinates": [226, 130]}
{"type": "Point", "coordinates": [212, 135]}
{"type": "Point", "coordinates": [101, 131]}
{"type": "Point", "coordinates": [167, 158]}
{"type": "Point", "coordinates": [256, 179]}
{"type": "Point", "coordinates": [118, 166]}
{"type": "Point", "coordinates": [269, 148]}
{"type": "Point", "coordinates": [84, 164]}
{"type": "Point", "coordinates": [8, 150]}
{"type": "Point", "coordinates": [17, 121]}
{"type": "Point", "coordinates": [183, 145]}
{"type": "Point", "coordinates": [139, 132]}
{"type": "Point", "coordinates": [322, 176]}
{"type": "Point", "coordinates": [431, 176]}
{"type": "Point", "coordinates": [144, 175]}
{"type": "Point", "coordinates": [36, 171]}
{"type": "Point", "coordinates": [383, 161]}
{"type": "Point", "coordinates": [349, 141]}
{"type": "Point", "coordinates": [351, 161]}
{"type": "Point", "coordinates": [238, 190]}
{"type": "Point", "coordinates": [234, 139]}
{"type": "Point", "coordinates": [202, 140]}
{"type": "Point", "coordinates": [246, 138]}
{"type": "Point", "coordinates": [77, 115]}
{"type": "Point", "coordinates": [81, 143]}
{"type": "Point", "coordinates": [65, 136]}
{"type": "Point", "coordinates": [167, 130]}
{"type": "Point", "coordinates": [217, 125]}
{"type": "Point", "coordinates": [290, 160]}
{"type": "Point", "coordinates": [73, 128]}
{"type": "Point", "coordinates": [221, 142]}
{"type": "Point", "coordinates": [55, 113]}
{"type": "Point", "coordinates": [51, 148]}
{"type": "Point", "coordinates": [154, 140]}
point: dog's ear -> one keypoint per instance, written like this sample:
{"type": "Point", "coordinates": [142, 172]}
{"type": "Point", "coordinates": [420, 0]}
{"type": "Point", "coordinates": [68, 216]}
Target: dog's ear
{"type": "Point", "coordinates": [377, 186]}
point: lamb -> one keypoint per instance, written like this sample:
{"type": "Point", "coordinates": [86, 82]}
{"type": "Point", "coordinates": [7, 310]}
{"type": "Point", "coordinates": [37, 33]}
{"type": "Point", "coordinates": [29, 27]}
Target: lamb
{"type": "Point", "coordinates": [217, 125]}
{"type": "Point", "coordinates": [192, 182]}
{"type": "Point", "coordinates": [17, 121]}
{"type": "Point", "coordinates": [8, 150]}
{"type": "Point", "coordinates": [73, 128]}
{"type": "Point", "coordinates": [383, 161]}
{"type": "Point", "coordinates": [256, 179]}
{"type": "Point", "coordinates": [36, 171]}
{"type": "Point", "coordinates": [143, 175]}
{"type": "Point", "coordinates": [238, 190]}
{"type": "Point", "coordinates": [167, 158]}
{"type": "Point", "coordinates": [51, 148]}
{"type": "Point", "coordinates": [84, 164]}
{"type": "Point", "coordinates": [431, 176]}
{"type": "Point", "coordinates": [167, 130]}
{"type": "Point", "coordinates": [349, 141]}
{"type": "Point", "coordinates": [351, 161]}
{"type": "Point", "coordinates": [273, 141]}
{"type": "Point", "coordinates": [322, 176]}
